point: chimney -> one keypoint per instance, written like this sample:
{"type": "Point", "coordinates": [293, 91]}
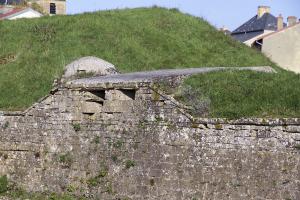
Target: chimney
{"type": "Point", "coordinates": [279, 22]}
{"type": "Point", "coordinates": [262, 10]}
{"type": "Point", "coordinates": [292, 20]}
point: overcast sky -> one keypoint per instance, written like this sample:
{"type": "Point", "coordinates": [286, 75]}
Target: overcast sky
{"type": "Point", "coordinates": [229, 13]}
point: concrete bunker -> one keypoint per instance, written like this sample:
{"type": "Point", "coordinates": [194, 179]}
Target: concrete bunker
{"type": "Point", "coordinates": [106, 91]}
{"type": "Point", "coordinates": [87, 67]}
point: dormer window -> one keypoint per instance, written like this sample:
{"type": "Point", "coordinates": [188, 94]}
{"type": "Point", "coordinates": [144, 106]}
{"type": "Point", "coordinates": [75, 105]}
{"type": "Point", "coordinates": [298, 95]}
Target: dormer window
{"type": "Point", "coordinates": [52, 8]}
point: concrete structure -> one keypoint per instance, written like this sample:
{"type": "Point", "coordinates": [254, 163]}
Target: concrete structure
{"type": "Point", "coordinates": [283, 47]}
{"type": "Point", "coordinates": [88, 66]}
{"type": "Point", "coordinates": [11, 13]}
{"type": "Point", "coordinates": [121, 137]}
{"type": "Point", "coordinates": [263, 23]}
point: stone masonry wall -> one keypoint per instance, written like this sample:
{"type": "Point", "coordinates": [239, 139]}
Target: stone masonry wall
{"type": "Point", "coordinates": [134, 143]}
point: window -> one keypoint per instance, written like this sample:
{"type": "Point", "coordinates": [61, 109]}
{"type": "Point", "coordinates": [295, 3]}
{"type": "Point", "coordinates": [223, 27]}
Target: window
{"type": "Point", "coordinates": [52, 8]}
{"type": "Point", "coordinates": [99, 93]}
{"type": "Point", "coordinates": [130, 94]}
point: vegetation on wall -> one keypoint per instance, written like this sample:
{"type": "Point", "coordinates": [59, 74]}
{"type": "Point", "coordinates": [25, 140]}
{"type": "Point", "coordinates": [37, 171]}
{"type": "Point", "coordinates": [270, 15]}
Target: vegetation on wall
{"type": "Point", "coordinates": [3, 184]}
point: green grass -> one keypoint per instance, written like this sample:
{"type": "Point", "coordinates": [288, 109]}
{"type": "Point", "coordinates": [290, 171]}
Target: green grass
{"type": "Point", "coordinates": [33, 52]}
{"type": "Point", "coordinates": [18, 194]}
{"type": "Point", "coordinates": [249, 94]}
{"type": "Point", "coordinates": [3, 184]}
{"type": "Point", "coordinates": [22, 195]}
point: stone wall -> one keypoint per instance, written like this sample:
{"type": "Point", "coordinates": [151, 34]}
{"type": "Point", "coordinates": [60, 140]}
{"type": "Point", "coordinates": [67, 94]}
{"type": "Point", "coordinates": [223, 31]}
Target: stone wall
{"type": "Point", "coordinates": [132, 142]}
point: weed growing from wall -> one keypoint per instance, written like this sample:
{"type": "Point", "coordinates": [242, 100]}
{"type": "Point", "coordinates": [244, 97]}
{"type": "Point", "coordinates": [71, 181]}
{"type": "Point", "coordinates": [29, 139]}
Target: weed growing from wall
{"type": "Point", "coordinates": [114, 158]}
{"type": "Point", "coordinates": [95, 181]}
{"type": "Point", "coordinates": [5, 125]}
{"type": "Point", "coordinates": [76, 127]}
{"type": "Point", "coordinates": [118, 144]}
{"type": "Point", "coordinates": [97, 140]}
{"type": "Point", "coordinates": [66, 160]}
{"type": "Point", "coordinates": [297, 146]}
{"type": "Point", "coordinates": [3, 184]}
{"type": "Point", "coordinates": [129, 164]}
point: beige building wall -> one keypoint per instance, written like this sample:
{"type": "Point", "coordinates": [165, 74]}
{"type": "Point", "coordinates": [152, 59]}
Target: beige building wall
{"type": "Point", "coordinates": [60, 6]}
{"type": "Point", "coordinates": [283, 48]}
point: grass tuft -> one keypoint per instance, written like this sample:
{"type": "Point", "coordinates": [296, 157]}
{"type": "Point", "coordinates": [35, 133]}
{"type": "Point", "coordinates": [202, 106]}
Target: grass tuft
{"type": "Point", "coordinates": [3, 184]}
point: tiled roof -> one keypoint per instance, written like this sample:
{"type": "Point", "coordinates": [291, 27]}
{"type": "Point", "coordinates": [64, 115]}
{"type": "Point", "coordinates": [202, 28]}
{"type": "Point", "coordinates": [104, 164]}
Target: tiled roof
{"type": "Point", "coordinates": [11, 1]}
{"type": "Point", "coordinates": [11, 12]}
{"type": "Point", "coordinates": [243, 37]}
{"type": "Point", "coordinates": [266, 22]}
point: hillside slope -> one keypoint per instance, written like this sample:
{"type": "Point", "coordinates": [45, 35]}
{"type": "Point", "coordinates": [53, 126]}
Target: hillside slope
{"type": "Point", "coordinates": [33, 52]}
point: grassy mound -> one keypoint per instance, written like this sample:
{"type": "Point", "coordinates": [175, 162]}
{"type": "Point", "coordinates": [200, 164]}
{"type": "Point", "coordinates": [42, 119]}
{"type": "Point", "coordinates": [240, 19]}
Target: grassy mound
{"type": "Point", "coordinates": [249, 94]}
{"type": "Point", "coordinates": [34, 52]}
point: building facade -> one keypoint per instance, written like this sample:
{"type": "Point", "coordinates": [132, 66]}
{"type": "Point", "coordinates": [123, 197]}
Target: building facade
{"type": "Point", "coordinates": [51, 7]}
{"type": "Point", "coordinates": [283, 47]}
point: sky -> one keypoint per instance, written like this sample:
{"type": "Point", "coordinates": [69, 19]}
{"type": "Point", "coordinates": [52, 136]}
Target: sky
{"type": "Point", "coordinates": [228, 13]}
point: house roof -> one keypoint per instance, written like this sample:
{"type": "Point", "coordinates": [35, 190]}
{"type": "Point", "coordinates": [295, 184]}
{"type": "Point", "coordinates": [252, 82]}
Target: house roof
{"type": "Point", "coordinates": [11, 2]}
{"type": "Point", "coordinates": [243, 37]}
{"type": "Point", "coordinates": [15, 11]}
{"type": "Point", "coordinates": [10, 12]}
{"type": "Point", "coordinates": [282, 30]}
{"type": "Point", "coordinates": [266, 22]}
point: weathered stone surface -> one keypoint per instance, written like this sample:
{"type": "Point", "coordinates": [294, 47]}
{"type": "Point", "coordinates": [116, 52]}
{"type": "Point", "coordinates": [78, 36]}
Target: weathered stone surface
{"type": "Point", "coordinates": [150, 76]}
{"type": "Point", "coordinates": [137, 143]}
{"type": "Point", "coordinates": [87, 65]}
